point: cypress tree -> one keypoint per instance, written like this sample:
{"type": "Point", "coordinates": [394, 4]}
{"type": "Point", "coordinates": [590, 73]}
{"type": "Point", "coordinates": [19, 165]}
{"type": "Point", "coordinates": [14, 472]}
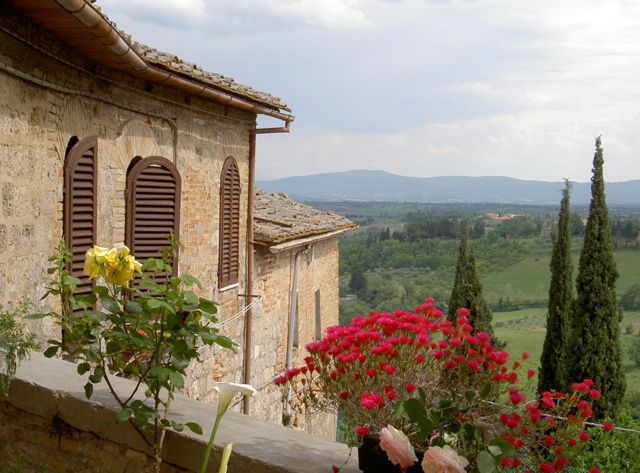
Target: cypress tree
{"type": "Point", "coordinates": [594, 351]}
{"type": "Point", "coordinates": [467, 289]}
{"type": "Point", "coordinates": [552, 373]}
{"type": "Point", "coordinates": [358, 283]}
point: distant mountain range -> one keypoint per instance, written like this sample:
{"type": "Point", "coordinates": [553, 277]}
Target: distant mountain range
{"type": "Point", "coordinates": [384, 186]}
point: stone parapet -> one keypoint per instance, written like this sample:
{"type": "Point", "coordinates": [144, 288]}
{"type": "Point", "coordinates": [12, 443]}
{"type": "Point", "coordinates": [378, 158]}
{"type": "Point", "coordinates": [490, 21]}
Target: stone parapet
{"type": "Point", "coordinates": [53, 427]}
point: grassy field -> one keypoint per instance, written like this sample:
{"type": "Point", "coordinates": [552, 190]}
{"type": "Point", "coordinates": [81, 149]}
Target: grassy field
{"type": "Point", "coordinates": [528, 279]}
{"type": "Point", "coordinates": [524, 330]}
{"type": "Point", "coordinates": [628, 261]}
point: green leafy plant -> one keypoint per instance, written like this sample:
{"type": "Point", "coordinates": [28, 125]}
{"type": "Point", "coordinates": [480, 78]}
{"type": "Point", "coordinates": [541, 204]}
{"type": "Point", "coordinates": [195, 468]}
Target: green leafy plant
{"type": "Point", "coordinates": [618, 450]}
{"type": "Point", "coordinates": [149, 333]}
{"type": "Point", "coordinates": [15, 342]}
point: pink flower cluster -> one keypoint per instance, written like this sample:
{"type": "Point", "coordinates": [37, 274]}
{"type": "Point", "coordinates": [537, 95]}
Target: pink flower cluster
{"type": "Point", "coordinates": [369, 367]}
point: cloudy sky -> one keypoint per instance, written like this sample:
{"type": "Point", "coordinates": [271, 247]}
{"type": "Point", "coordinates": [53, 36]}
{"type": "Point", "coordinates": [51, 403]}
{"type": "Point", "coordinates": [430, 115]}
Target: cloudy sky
{"type": "Point", "coordinates": [422, 87]}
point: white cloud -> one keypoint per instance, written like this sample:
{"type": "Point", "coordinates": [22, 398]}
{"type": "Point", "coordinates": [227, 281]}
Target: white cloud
{"type": "Point", "coordinates": [221, 17]}
{"type": "Point", "coordinates": [172, 13]}
{"type": "Point", "coordinates": [323, 13]}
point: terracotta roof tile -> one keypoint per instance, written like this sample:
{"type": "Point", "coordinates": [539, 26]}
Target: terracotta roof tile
{"type": "Point", "coordinates": [173, 63]}
{"type": "Point", "coordinates": [278, 219]}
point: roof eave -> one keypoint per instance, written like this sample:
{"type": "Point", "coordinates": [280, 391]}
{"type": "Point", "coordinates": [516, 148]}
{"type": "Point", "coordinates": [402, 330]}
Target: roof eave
{"type": "Point", "coordinates": [108, 47]}
{"type": "Point", "coordinates": [298, 242]}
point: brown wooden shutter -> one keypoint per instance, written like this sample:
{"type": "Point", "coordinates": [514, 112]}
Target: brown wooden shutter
{"type": "Point", "coordinates": [153, 207]}
{"type": "Point", "coordinates": [80, 206]}
{"type": "Point", "coordinates": [229, 256]}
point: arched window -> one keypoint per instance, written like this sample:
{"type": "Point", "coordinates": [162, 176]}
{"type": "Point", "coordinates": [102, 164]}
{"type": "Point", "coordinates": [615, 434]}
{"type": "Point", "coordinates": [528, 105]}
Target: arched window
{"type": "Point", "coordinates": [153, 207]}
{"type": "Point", "coordinates": [229, 258]}
{"type": "Point", "coordinates": [80, 205]}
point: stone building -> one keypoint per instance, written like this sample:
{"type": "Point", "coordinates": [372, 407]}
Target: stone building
{"type": "Point", "coordinates": [296, 274]}
{"type": "Point", "coordinates": [106, 141]}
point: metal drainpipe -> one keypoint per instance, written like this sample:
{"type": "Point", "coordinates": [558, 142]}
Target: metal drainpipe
{"type": "Point", "coordinates": [286, 416]}
{"type": "Point", "coordinates": [248, 327]}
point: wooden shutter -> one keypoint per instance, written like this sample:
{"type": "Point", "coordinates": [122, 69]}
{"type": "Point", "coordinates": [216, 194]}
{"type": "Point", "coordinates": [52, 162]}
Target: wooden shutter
{"type": "Point", "coordinates": [229, 255]}
{"type": "Point", "coordinates": [80, 206]}
{"type": "Point", "coordinates": [153, 207]}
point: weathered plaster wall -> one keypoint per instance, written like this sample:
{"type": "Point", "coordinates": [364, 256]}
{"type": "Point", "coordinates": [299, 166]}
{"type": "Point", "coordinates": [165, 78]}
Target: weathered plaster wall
{"type": "Point", "coordinates": [130, 118]}
{"type": "Point", "coordinates": [318, 271]}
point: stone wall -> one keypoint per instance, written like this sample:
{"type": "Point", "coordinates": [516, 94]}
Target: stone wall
{"type": "Point", "coordinates": [49, 424]}
{"type": "Point", "coordinates": [318, 271]}
{"type": "Point", "coordinates": [49, 94]}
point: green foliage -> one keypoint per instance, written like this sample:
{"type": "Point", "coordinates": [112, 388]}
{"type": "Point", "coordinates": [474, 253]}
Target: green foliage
{"type": "Point", "coordinates": [150, 334]}
{"type": "Point", "coordinates": [634, 351]}
{"type": "Point", "coordinates": [576, 225]}
{"type": "Point", "coordinates": [514, 272]}
{"type": "Point", "coordinates": [625, 227]}
{"type": "Point", "coordinates": [467, 289]}
{"type": "Point", "coordinates": [616, 451]}
{"type": "Point", "coordinates": [595, 349]}
{"type": "Point", "coordinates": [15, 342]}
{"type": "Point", "coordinates": [521, 226]}
{"type": "Point", "coordinates": [423, 226]}
{"type": "Point", "coordinates": [358, 282]}
{"type": "Point", "coordinates": [630, 300]}
{"type": "Point", "coordinates": [552, 374]}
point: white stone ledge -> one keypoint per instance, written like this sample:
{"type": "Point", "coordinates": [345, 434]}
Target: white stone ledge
{"type": "Point", "coordinates": [52, 388]}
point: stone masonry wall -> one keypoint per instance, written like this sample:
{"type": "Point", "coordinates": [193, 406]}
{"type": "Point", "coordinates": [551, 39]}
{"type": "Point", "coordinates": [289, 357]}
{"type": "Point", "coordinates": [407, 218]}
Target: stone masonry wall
{"type": "Point", "coordinates": [318, 270]}
{"type": "Point", "coordinates": [48, 424]}
{"type": "Point", "coordinates": [130, 117]}
{"type": "Point", "coordinates": [35, 443]}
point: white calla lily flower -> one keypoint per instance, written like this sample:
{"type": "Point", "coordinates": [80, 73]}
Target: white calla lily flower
{"type": "Point", "coordinates": [228, 391]}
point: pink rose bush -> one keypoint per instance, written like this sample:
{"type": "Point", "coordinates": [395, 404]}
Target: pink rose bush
{"type": "Point", "coordinates": [417, 380]}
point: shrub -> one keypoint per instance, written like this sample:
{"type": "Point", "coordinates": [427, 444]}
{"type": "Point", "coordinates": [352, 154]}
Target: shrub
{"type": "Point", "coordinates": [15, 342]}
{"type": "Point", "coordinates": [617, 451]}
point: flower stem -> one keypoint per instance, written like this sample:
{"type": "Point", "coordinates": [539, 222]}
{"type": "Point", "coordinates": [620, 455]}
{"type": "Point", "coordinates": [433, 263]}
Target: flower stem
{"type": "Point", "coordinates": [205, 460]}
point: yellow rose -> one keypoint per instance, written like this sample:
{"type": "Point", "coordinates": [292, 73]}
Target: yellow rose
{"type": "Point", "coordinates": [110, 261]}
{"type": "Point", "coordinates": [137, 266]}
{"type": "Point", "coordinates": [127, 265]}
{"type": "Point", "coordinates": [93, 266]}
{"type": "Point", "coordinates": [122, 278]}
{"type": "Point", "coordinates": [115, 266]}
